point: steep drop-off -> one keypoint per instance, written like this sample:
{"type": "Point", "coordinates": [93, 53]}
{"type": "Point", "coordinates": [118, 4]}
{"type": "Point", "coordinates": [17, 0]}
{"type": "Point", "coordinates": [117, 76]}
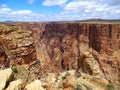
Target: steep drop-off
{"type": "Point", "coordinates": [16, 46]}
{"type": "Point", "coordinates": [62, 44]}
{"type": "Point", "coordinates": [17, 51]}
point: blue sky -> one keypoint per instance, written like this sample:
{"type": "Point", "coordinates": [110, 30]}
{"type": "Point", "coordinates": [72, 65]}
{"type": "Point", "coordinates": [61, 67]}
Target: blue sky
{"type": "Point", "coordinates": [58, 10]}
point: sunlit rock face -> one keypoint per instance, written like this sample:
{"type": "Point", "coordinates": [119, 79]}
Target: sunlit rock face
{"type": "Point", "coordinates": [17, 45]}
{"type": "Point", "coordinates": [5, 77]}
{"type": "Point", "coordinates": [61, 44]}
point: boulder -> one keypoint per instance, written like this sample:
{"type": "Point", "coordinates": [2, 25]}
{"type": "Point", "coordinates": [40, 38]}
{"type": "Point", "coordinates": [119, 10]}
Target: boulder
{"type": "Point", "coordinates": [15, 85]}
{"type": "Point", "coordinates": [5, 77]}
{"type": "Point", "coordinates": [35, 85]}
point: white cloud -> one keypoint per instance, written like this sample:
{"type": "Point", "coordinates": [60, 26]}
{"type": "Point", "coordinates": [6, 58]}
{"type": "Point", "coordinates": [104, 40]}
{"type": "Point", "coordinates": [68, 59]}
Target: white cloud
{"type": "Point", "coordinates": [27, 15]}
{"type": "Point", "coordinates": [4, 9]}
{"type": "Point", "coordinates": [74, 10]}
{"type": "Point", "coordinates": [93, 9]}
{"type": "Point", "coordinates": [31, 1]}
{"type": "Point", "coordinates": [54, 2]}
{"type": "Point", "coordinates": [21, 12]}
{"type": "Point", "coordinates": [21, 15]}
{"type": "Point", "coordinates": [79, 6]}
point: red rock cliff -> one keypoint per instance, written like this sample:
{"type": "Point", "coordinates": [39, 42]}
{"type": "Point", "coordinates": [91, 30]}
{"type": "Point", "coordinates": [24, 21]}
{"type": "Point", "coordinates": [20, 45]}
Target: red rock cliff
{"type": "Point", "coordinates": [16, 46]}
{"type": "Point", "coordinates": [63, 43]}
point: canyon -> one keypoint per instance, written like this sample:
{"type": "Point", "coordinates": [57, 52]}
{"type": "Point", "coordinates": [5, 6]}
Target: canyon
{"type": "Point", "coordinates": [91, 48]}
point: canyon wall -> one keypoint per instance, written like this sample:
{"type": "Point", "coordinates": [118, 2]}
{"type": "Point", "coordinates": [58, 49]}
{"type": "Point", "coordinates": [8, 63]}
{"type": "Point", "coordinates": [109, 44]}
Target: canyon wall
{"type": "Point", "coordinates": [16, 46]}
{"type": "Point", "coordinates": [62, 44]}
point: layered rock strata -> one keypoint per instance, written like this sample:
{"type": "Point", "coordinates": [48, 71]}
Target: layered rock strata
{"type": "Point", "coordinates": [63, 43]}
{"type": "Point", "coordinates": [17, 46]}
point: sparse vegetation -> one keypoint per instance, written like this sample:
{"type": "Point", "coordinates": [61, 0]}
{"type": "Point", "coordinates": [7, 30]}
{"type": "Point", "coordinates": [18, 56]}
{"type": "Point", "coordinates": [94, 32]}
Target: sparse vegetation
{"type": "Point", "coordinates": [87, 87]}
{"type": "Point", "coordinates": [110, 87]}
{"type": "Point", "coordinates": [78, 87]}
{"type": "Point", "coordinates": [78, 75]}
{"type": "Point", "coordinates": [64, 77]}
{"type": "Point", "coordinates": [22, 72]}
{"type": "Point", "coordinates": [15, 69]}
{"type": "Point", "coordinates": [84, 77]}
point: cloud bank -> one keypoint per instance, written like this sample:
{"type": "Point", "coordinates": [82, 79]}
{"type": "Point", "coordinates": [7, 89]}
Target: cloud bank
{"type": "Point", "coordinates": [71, 10]}
{"type": "Point", "coordinates": [94, 9]}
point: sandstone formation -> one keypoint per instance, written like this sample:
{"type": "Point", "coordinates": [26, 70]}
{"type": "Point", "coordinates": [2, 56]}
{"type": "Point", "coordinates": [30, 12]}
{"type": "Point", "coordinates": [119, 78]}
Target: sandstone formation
{"type": "Point", "coordinates": [66, 81]}
{"type": "Point", "coordinates": [60, 46]}
{"type": "Point", "coordinates": [17, 50]}
{"type": "Point", "coordinates": [36, 85]}
{"type": "Point", "coordinates": [72, 39]}
{"type": "Point", "coordinates": [69, 81]}
{"type": "Point", "coordinates": [15, 85]}
{"type": "Point", "coordinates": [17, 46]}
{"type": "Point", "coordinates": [90, 65]}
{"type": "Point", "coordinates": [5, 78]}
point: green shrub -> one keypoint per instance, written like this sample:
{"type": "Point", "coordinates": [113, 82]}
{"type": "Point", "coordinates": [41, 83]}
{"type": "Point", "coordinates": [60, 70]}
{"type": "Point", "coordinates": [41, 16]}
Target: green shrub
{"type": "Point", "coordinates": [78, 87]}
{"type": "Point", "coordinates": [15, 69]}
{"type": "Point", "coordinates": [110, 87]}
{"type": "Point", "coordinates": [67, 74]}
{"type": "Point", "coordinates": [63, 77]}
{"type": "Point", "coordinates": [84, 77]}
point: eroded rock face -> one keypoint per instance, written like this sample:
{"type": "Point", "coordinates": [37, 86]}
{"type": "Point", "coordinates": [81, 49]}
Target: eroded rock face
{"type": "Point", "coordinates": [72, 39]}
{"type": "Point", "coordinates": [90, 65]}
{"type": "Point", "coordinates": [110, 67]}
{"type": "Point", "coordinates": [4, 62]}
{"type": "Point", "coordinates": [60, 45]}
{"type": "Point", "coordinates": [17, 45]}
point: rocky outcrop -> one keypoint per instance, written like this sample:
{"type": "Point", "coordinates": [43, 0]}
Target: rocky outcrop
{"type": "Point", "coordinates": [66, 81]}
{"type": "Point", "coordinates": [70, 81]}
{"type": "Point", "coordinates": [17, 45]}
{"type": "Point", "coordinates": [6, 76]}
{"type": "Point", "coordinates": [20, 80]}
{"type": "Point", "coordinates": [110, 67]}
{"type": "Point", "coordinates": [90, 65]}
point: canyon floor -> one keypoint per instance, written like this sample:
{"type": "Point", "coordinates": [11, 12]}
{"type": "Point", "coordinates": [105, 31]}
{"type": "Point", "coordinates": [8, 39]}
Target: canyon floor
{"type": "Point", "coordinates": [76, 55]}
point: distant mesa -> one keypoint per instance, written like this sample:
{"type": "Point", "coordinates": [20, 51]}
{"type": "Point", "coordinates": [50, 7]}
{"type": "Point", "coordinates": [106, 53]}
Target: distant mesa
{"type": "Point", "coordinates": [9, 21]}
